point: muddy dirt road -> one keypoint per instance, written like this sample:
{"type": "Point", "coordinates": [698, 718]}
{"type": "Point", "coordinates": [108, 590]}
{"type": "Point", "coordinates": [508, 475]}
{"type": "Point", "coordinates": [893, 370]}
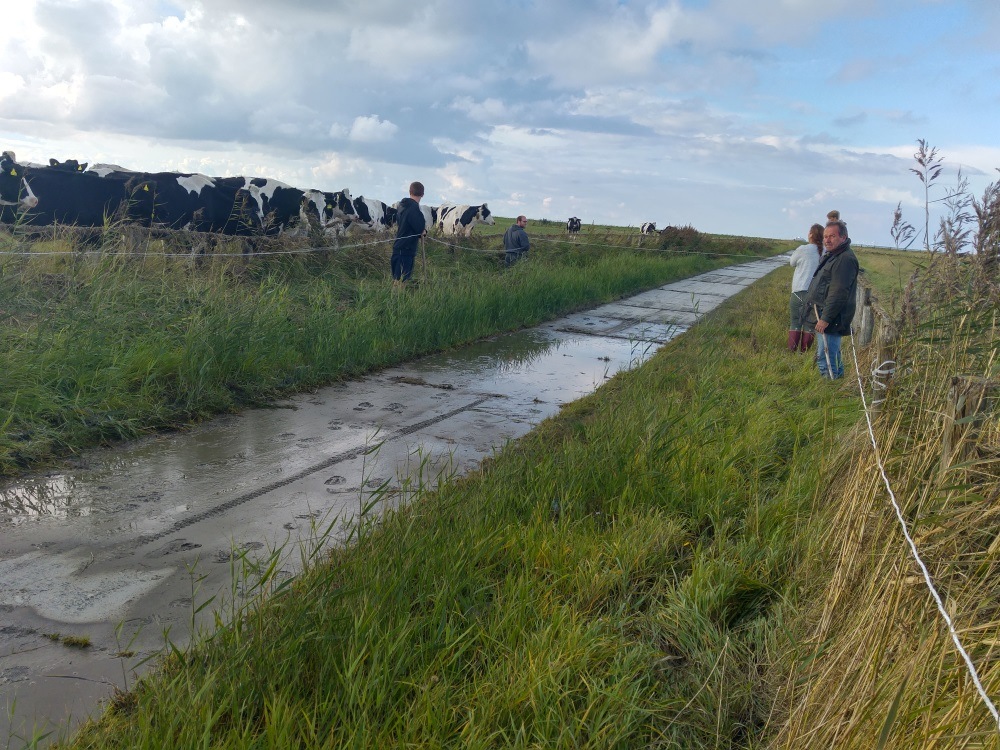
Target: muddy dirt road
{"type": "Point", "coordinates": [122, 546]}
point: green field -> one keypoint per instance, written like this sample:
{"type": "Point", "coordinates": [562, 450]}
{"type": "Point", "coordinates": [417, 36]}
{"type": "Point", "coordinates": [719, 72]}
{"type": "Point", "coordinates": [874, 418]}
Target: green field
{"type": "Point", "coordinates": [699, 555]}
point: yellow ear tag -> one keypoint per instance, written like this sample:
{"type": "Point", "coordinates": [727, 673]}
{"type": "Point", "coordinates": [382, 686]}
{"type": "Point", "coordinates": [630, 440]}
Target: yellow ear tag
{"type": "Point", "coordinates": [14, 172]}
{"type": "Point", "coordinates": [329, 207]}
{"type": "Point", "coordinates": [146, 188]}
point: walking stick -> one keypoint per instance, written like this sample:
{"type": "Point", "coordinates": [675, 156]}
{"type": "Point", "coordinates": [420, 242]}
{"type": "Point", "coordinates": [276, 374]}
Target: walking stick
{"type": "Point", "coordinates": [826, 349]}
{"type": "Point", "coordinates": [423, 258]}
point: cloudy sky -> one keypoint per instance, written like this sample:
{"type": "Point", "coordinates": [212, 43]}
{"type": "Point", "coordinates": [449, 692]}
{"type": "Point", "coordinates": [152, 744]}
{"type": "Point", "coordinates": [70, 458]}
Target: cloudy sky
{"type": "Point", "coordinates": [732, 116]}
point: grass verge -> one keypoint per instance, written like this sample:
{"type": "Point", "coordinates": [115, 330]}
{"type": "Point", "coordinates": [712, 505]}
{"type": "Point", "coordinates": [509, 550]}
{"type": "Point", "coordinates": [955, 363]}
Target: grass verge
{"type": "Point", "coordinates": [100, 347]}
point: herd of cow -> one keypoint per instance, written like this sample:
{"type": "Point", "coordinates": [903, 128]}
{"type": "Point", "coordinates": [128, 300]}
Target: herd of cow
{"type": "Point", "coordinates": [83, 195]}
{"type": "Point", "coordinates": [71, 193]}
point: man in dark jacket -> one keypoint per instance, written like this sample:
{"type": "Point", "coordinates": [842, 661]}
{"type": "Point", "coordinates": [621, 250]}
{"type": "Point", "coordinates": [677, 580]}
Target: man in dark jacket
{"type": "Point", "coordinates": [410, 225]}
{"type": "Point", "coordinates": [515, 241]}
{"type": "Point", "coordinates": [832, 298]}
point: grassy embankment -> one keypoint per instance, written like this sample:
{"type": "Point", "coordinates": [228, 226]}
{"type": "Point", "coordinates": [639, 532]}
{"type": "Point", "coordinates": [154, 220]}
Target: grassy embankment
{"type": "Point", "coordinates": [621, 577]}
{"type": "Point", "coordinates": [874, 664]}
{"type": "Point", "coordinates": [96, 348]}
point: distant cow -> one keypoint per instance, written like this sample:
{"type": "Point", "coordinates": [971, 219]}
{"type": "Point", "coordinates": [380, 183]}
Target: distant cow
{"type": "Point", "coordinates": [15, 192]}
{"type": "Point", "coordinates": [460, 220]}
{"type": "Point", "coordinates": [648, 228]}
{"type": "Point", "coordinates": [573, 225]}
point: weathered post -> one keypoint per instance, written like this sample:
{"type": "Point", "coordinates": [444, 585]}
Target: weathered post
{"type": "Point", "coordinates": [866, 321]}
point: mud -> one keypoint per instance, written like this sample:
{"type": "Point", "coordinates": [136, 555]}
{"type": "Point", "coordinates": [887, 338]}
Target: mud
{"type": "Point", "coordinates": [123, 546]}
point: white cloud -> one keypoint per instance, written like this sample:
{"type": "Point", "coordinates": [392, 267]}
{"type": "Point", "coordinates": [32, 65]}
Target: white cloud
{"type": "Point", "coordinates": [372, 129]}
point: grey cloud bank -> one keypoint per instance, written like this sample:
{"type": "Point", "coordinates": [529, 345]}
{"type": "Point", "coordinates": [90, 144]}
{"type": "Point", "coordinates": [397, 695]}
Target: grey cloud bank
{"type": "Point", "coordinates": [734, 119]}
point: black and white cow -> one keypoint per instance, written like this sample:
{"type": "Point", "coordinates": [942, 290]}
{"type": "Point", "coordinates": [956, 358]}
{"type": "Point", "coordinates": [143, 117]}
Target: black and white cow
{"type": "Point", "coordinates": [77, 198]}
{"type": "Point", "coordinates": [15, 192]}
{"type": "Point", "coordinates": [195, 202]}
{"type": "Point", "coordinates": [276, 206]}
{"type": "Point", "coordinates": [326, 212]}
{"type": "Point", "coordinates": [460, 220]}
{"type": "Point", "coordinates": [373, 214]}
{"type": "Point", "coordinates": [648, 227]}
{"type": "Point", "coordinates": [573, 225]}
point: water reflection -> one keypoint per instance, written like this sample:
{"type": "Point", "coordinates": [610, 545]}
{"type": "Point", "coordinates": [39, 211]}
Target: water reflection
{"type": "Point", "coordinates": [44, 496]}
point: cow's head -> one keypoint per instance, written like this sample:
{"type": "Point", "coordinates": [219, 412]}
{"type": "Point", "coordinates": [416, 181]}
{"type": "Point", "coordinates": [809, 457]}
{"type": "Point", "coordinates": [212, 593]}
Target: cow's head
{"type": "Point", "coordinates": [326, 211]}
{"type": "Point", "coordinates": [340, 204]}
{"type": "Point", "coordinates": [485, 216]}
{"type": "Point", "coordinates": [70, 165]}
{"type": "Point", "coordinates": [14, 189]}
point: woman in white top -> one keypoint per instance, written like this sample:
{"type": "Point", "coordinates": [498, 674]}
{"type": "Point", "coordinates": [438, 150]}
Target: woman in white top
{"type": "Point", "coordinates": [805, 260]}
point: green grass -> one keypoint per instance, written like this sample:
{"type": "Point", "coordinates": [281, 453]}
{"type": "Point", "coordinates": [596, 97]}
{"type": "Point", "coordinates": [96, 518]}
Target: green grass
{"type": "Point", "coordinates": [100, 348]}
{"type": "Point", "coordinates": [618, 578]}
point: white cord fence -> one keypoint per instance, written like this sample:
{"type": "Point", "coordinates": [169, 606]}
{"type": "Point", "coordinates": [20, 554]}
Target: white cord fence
{"type": "Point", "coordinates": [884, 370]}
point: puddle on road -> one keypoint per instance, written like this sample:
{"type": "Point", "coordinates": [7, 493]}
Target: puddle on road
{"type": "Point", "coordinates": [537, 369]}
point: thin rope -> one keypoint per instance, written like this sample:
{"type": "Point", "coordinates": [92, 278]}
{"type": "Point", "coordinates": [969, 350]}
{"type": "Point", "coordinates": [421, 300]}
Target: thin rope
{"type": "Point", "coordinates": [113, 254]}
{"type": "Point", "coordinates": [915, 552]}
{"type": "Point", "coordinates": [635, 247]}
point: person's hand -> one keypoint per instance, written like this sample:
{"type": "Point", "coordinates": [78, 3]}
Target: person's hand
{"type": "Point", "coordinates": [821, 326]}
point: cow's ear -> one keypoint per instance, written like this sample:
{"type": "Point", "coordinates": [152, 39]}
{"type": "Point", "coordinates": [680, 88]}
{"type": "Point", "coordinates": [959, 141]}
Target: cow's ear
{"type": "Point", "coordinates": [82, 167]}
{"type": "Point", "coordinates": [53, 162]}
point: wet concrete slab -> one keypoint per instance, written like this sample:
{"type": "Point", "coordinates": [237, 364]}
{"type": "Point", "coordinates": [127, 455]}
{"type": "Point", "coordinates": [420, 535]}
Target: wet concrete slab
{"type": "Point", "coordinates": [122, 546]}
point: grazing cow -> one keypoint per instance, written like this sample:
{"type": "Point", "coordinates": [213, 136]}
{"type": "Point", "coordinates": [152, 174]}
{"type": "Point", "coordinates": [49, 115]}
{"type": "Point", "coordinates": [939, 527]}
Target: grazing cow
{"type": "Point", "coordinates": [326, 212]}
{"type": "Point", "coordinates": [648, 228]}
{"type": "Point", "coordinates": [374, 214]}
{"type": "Point", "coordinates": [15, 192]}
{"type": "Point", "coordinates": [460, 220]}
{"type": "Point", "coordinates": [573, 225]}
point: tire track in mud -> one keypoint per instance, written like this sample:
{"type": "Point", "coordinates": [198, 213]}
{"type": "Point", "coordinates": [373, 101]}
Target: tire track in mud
{"type": "Point", "coordinates": [301, 474]}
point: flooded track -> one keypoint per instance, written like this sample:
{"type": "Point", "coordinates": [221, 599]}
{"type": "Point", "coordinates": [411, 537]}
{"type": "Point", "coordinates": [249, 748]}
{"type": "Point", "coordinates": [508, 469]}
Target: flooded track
{"type": "Point", "coordinates": [123, 546]}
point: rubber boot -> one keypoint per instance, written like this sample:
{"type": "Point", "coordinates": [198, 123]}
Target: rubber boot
{"type": "Point", "coordinates": [793, 340]}
{"type": "Point", "coordinates": [806, 341]}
